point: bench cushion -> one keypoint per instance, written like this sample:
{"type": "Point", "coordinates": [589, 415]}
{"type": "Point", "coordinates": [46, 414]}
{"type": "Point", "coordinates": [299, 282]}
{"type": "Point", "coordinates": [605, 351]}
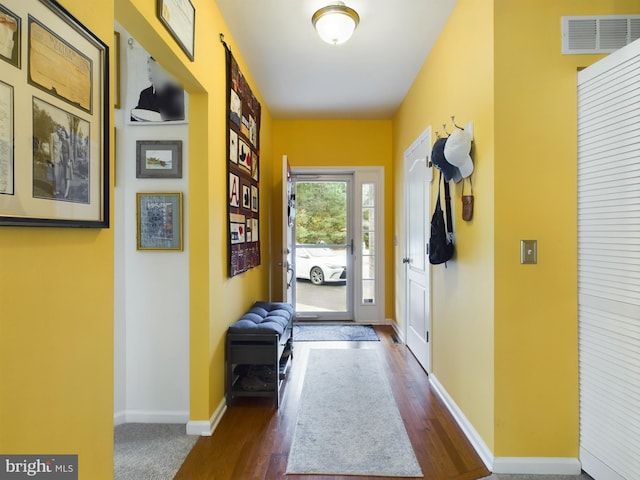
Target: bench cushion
{"type": "Point", "coordinates": [264, 317]}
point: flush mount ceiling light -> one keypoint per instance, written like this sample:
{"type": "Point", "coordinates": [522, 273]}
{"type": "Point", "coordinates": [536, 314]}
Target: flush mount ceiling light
{"type": "Point", "coordinates": [335, 23]}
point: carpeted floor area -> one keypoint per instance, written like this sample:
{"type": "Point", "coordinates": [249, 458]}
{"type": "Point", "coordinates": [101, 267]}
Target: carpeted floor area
{"type": "Point", "coordinates": [150, 451]}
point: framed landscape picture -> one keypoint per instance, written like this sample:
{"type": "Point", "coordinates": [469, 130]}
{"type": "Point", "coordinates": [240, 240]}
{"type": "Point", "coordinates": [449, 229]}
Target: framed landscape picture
{"type": "Point", "coordinates": [159, 159]}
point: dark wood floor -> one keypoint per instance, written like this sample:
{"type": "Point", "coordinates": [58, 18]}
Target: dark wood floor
{"type": "Point", "coordinates": [252, 440]}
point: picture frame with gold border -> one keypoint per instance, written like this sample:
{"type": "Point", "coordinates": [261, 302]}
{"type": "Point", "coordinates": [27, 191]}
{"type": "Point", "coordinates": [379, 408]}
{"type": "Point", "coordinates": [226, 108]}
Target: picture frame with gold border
{"type": "Point", "coordinates": [159, 221]}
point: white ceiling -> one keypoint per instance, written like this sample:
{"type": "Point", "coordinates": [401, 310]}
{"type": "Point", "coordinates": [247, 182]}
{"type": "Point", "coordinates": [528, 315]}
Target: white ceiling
{"type": "Point", "coordinates": [302, 77]}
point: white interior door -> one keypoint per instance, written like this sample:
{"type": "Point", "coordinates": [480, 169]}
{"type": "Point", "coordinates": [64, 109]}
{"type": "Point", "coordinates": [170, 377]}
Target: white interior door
{"type": "Point", "coordinates": [417, 176]}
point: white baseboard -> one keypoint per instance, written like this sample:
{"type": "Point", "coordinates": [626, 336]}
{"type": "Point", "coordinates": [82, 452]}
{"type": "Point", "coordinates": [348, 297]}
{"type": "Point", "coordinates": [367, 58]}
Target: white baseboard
{"type": "Point", "coordinates": [596, 467]}
{"type": "Point", "coordinates": [203, 427]}
{"type": "Point", "coordinates": [508, 465]}
{"type": "Point", "coordinates": [399, 334]}
{"type": "Point", "coordinates": [206, 428]}
{"type": "Point", "coordinates": [154, 416]}
{"type": "Point", "coordinates": [471, 433]}
{"type": "Point", "coordinates": [537, 465]}
{"type": "Point", "coordinates": [119, 418]}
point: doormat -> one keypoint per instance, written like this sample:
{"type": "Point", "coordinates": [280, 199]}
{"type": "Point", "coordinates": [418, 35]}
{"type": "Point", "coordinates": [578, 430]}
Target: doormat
{"type": "Point", "coordinates": [334, 333]}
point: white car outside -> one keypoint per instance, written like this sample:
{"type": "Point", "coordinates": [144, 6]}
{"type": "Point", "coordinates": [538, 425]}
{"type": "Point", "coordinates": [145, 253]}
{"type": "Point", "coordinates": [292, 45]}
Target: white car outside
{"type": "Point", "coordinates": [321, 265]}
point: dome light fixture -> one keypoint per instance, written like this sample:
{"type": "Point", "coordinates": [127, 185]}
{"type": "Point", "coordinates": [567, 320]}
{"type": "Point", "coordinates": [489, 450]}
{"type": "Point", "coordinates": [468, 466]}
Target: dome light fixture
{"type": "Point", "coordinates": [335, 23]}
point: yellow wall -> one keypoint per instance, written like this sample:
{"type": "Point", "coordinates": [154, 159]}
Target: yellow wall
{"type": "Point", "coordinates": [457, 79]}
{"type": "Point", "coordinates": [56, 328]}
{"type": "Point", "coordinates": [216, 301]}
{"type": "Point", "coordinates": [505, 334]}
{"type": "Point", "coordinates": [536, 351]}
{"type": "Point", "coordinates": [334, 143]}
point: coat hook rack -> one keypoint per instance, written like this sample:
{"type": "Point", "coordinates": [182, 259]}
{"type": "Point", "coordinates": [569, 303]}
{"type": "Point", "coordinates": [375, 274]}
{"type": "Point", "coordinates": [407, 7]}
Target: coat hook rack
{"type": "Point", "coordinates": [453, 121]}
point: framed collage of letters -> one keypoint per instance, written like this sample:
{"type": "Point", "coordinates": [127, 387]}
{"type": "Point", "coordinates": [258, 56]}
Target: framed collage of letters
{"type": "Point", "coordinates": [243, 138]}
{"type": "Point", "coordinates": [54, 112]}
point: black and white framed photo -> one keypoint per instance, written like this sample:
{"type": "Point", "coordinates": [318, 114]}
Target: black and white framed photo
{"type": "Point", "coordinates": [159, 221]}
{"type": "Point", "coordinates": [159, 159]}
{"type": "Point", "coordinates": [153, 95]}
{"type": "Point", "coordinates": [61, 170]}
{"type": "Point", "coordinates": [56, 171]}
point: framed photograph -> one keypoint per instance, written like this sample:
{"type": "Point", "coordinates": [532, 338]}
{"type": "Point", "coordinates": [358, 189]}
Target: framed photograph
{"type": "Point", "coordinates": [179, 17]}
{"type": "Point", "coordinates": [56, 172]}
{"type": "Point", "coordinates": [159, 221]}
{"type": "Point", "coordinates": [153, 96]}
{"type": "Point", "coordinates": [159, 159]}
{"type": "Point", "coordinates": [10, 36]}
{"type": "Point", "coordinates": [68, 169]}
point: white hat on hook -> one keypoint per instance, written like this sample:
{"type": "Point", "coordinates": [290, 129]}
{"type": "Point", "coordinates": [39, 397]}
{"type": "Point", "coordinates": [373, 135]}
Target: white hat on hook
{"type": "Point", "coordinates": [457, 150]}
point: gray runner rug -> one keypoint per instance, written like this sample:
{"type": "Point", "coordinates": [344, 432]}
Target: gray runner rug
{"type": "Point", "coordinates": [348, 422]}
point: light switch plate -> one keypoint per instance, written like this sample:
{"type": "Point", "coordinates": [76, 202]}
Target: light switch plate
{"type": "Point", "coordinates": [528, 251]}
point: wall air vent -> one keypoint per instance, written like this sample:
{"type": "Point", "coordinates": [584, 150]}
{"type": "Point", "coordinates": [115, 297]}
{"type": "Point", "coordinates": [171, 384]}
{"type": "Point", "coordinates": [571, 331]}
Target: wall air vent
{"type": "Point", "coordinates": [598, 34]}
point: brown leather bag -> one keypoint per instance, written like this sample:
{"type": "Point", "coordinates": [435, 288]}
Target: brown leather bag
{"type": "Point", "coordinates": [467, 203]}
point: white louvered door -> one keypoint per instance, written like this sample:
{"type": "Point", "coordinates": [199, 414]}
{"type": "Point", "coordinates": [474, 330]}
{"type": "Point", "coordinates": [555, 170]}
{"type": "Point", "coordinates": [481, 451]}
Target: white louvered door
{"type": "Point", "coordinates": [609, 265]}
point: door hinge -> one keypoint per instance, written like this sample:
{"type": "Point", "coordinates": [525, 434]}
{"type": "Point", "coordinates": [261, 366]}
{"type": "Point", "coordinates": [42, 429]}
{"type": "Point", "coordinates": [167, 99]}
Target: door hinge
{"type": "Point", "coordinates": [427, 336]}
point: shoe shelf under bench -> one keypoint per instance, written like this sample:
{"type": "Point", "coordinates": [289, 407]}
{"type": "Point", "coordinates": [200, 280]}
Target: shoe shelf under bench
{"type": "Point", "coordinates": [257, 364]}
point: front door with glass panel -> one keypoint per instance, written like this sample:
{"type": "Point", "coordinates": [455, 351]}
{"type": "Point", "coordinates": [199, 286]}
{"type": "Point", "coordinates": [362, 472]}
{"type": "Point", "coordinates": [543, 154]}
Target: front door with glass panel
{"type": "Point", "coordinates": [323, 247]}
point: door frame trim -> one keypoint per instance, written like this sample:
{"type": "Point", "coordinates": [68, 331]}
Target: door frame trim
{"type": "Point", "coordinates": [363, 313]}
{"type": "Point", "coordinates": [412, 153]}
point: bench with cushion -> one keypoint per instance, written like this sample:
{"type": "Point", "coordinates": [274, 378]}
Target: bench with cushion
{"type": "Point", "coordinates": [258, 351]}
